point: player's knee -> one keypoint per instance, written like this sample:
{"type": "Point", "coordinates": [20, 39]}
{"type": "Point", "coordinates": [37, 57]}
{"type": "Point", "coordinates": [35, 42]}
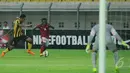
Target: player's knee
{"type": "Point", "coordinates": [10, 47]}
{"type": "Point", "coordinates": [29, 40]}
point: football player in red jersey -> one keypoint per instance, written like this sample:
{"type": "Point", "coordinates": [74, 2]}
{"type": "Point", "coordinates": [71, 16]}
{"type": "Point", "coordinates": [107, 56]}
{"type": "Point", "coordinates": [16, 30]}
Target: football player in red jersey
{"type": "Point", "coordinates": [44, 32]}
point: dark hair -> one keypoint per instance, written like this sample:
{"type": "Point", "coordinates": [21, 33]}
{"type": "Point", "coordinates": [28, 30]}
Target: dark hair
{"type": "Point", "coordinates": [5, 22]}
{"type": "Point", "coordinates": [44, 19]}
{"type": "Point", "coordinates": [22, 16]}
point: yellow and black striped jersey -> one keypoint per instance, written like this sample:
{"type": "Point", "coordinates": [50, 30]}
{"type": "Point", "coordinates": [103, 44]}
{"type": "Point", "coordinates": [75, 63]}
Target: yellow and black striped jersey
{"type": "Point", "coordinates": [17, 28]}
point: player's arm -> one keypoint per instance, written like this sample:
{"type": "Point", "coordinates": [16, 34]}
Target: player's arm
{"type": "Point", "coordinates": [91, 36]}
{"type": "Point", "coordinates": [51, 26]}
{"type": "Point", "coordinates": [27, 25]}
{"type": "Point", "coordinates": [114, 33]}
{"type": "Point", "coordinates": [37, 26]}
{"type": "Point", "coordinates": [16, 24]}
{"type": "Point", "coordinates": [34, 27]}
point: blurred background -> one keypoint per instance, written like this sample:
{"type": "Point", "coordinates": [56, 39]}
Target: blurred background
{"type": "Point", "coordinates": [72, 19]}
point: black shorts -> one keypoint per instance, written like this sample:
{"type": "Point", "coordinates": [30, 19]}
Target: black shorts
{"type": "Point", "coordinates": [15, 40]}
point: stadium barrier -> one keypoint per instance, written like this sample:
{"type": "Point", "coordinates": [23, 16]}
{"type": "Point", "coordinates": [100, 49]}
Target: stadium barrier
{"type": "Point", "coordinates": [62, 0]}
{"type": "Point", "coordinates": [68, 39]}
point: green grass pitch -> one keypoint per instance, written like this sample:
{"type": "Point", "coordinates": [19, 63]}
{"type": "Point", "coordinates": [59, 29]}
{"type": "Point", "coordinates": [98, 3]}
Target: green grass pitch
{"type": "Point", "coordinates": [58, 61]}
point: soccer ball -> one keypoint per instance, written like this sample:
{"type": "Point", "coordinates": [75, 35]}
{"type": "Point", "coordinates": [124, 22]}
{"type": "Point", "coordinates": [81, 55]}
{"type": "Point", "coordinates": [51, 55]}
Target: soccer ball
{"type": "Point", "coordinates": [45, 53]}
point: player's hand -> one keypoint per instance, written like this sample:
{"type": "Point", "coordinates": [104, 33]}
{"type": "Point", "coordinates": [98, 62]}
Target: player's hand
{"type": "Point", "coordinates": [87, 48]}
{"type": "Point", "coordinates": [30, 25]}
{"type": "Point", "coordinates": [126, 45]}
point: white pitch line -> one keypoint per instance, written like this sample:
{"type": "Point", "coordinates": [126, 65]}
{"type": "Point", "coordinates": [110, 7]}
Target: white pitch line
{"type": "Point", "coordinates": [41, 65]}
{"type": "Point", "coordinates": [35, 57]}
{"type": "Point", "coordinates": [44, 65]}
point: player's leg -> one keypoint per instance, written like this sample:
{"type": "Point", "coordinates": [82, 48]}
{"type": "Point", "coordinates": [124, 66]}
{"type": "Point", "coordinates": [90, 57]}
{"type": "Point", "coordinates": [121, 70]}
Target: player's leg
{"type": "Point", "coordinates": [10, 46]}
{"type": "Point", "coordinates": [7, 50]}
{"type": "Point", "coordinates": [116, 58]}
{"type": "Point", "coordinates": [111, 46]}
{"type": "Point", "coordinates": [94, 59]}
{"type": "Point", "coordinates": [94, 56]}
{"type": "Point", "coordinates": [29, 44]}
{"type": "Point", "coordinates": [43, 45]}
{"type": "Point", "coordinates": [43, 48]}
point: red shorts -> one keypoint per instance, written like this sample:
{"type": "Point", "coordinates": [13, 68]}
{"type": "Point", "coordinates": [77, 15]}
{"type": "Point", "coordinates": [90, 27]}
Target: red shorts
{"type": "Point", "coordinates": [45, 40]}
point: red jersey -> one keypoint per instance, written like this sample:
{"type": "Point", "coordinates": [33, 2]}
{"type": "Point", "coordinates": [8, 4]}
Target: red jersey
{"type": "Point", "coordinates": [44, 30]}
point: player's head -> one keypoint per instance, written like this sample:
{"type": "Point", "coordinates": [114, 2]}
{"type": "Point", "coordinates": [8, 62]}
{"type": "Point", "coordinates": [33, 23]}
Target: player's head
{"type": "Point", "coordinates": [22, 17]}
{"type": "Point", "coordinates": [44, 20]}
{"type": "Point", "coordinates": [5, 23]}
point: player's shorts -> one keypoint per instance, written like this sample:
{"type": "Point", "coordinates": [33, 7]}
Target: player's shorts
{"type": "Point", "coordinates": [15, 40]}
{"type": "Point", "coordinates": [45, 40]}
{"type": "Point", "coordinates": [110, 45]}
